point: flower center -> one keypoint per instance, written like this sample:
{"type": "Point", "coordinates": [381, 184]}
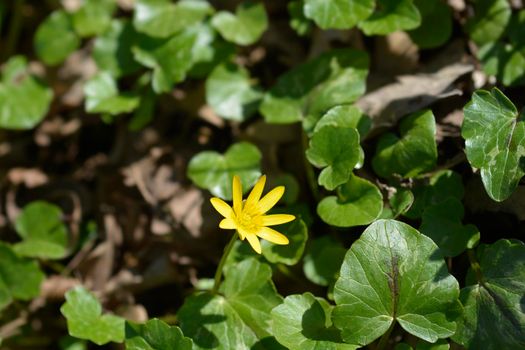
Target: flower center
{"type": "Point", "coordinates": [248, 221]}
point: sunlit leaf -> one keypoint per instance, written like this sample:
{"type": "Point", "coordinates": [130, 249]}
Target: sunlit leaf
{"type": "Point", "coordinates": [244, 27]}
{"type": "Point", "coordinates": [55, 38]}
{"type": "Point", "coordinates": [338, 14]}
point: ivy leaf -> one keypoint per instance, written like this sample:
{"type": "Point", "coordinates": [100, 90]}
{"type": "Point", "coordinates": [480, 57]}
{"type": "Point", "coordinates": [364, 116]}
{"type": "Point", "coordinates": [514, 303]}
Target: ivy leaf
{"type": "Point", "coordinates": [289, 254]}
{"type": "Point", "coordinates": [102, 96]}
{"type": "Point", "coordinates": [401, 201]}
{"type": "Point", "coordinates": [391, 15]}
{"type": "Point", "coordinates": [93, 17]}
{"type": "Point", "coordinates": [246, 26]}
{"type": "Point", "coordinates": [494, 305]}
{"type": "Point", "coordinates": [336, 150]}
{"type": "Point", "coordinates": [42, 230]}
{"type": "Point", "coordinates": [442, 223]}
{"type": "Point", "coordinates": [239, 317]}
{"type": "Point", "coordinates": [55, 38]}
{"type": "Point", "coordinates": [323, 261]}
{"type": "Point", "coordinates": [112, 50]}
{"type": "Point", "coordinates": [394, 273]}
{"type": "Point", "coordinates": [308, 91]}
{"type": "Point", "coordinates": [155, 335]}
{"type": "Point", "coordinates": [434, 14]}
{"type": "Point", "coordinates": [504, 61]}
{"type": "Point", "coordinates": [20, 278]}
{"type": "Point", "coordinates": [412, 153]}
{"type": "Point", "coordinates": [18, 86]}
{"type": "Point", "coordinates": [162, 18]}
{"type": "Point", "coordinates": [494, 136]}
{"type": "Point", "coordinates": [214, 172]}
{"type": "Point", "coordinates": [85, 320]}
{"type": "Point", "coordinates": [338, 14]}
{"type": "Point", "coordinates": [358, 202]}
{"type": "Point", "coordinates": [231, 94]}
{"type": "Point", "coordinates": [490, 19]}
{"type": "Point", "coordinates": [303, 322]}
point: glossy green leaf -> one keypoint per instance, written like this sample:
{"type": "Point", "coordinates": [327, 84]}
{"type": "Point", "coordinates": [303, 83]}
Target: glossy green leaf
{"type": "Point", "coordinates": [412, 153]}
{"type": "Point", "coordinates": [289, 254]}
{"type": "Point", "coordinates": [308, 91]}
{"type": "Point", "coordinates": [112, 50]}
{"type": "Point", "coordinates": [244, 27]}
{"type": "Point", "coordinates": [490, 19]}
{"type": "Point", "coordinates": [163, 18]}
{"type": "Point", "coordinates": [43, 233]}
{"type": "Point", "coordinates": [390, 16]}
{"type": "Point", "coordinates": [55, 38]}
{"type": "Point", "coordinates": [504, 61]}
{"type": "Point", "coordinates": [393, 273]}
{"type": "Point", "coordinates": [338, 14]}
{"type": "Point", "coordinates": [155, 335]}
{"type": "Point", "coordinates": [93, 17]}
{"type": "Point", "coordinates": [85, 320]}
{"type": "Point", "coordinates": [20, 278]}
{"type": "Point", "coordinates": [358, 202]}
{"type": "Point", "coordinates": [303, 322]}
{"type": "Point", "coordinates": [239, 317]}
{"type": "Point", "coordinates": [17, 87]}
{"type": "Point", "coordinates": [214, 172]}
{"type": "Point", "coordinates": [230, 92]}
{"type": "Point", "coordinates": [494, 134]}
{"type": "Point", "coordinates": [401, 201]}
{"type": "Point", "coordinates": [298, 20]}
{"type": "Point", "coordinates": [323, 260]}
{"type": "Point", "coordinates": [442, 223]}
{"type": "Point", "coordinates": [434, 14]}
{"type": "Point", "coordinates": [494, 317]}
{"type": "Point", "coordinates": [102, 96]}
{"type": "Point", "coordinates": [336, 150]}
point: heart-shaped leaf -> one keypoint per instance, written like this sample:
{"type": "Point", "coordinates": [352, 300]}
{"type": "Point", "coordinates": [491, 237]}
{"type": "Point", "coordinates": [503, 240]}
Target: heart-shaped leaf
{"type": "Point", "coordinates": [85, 320]}
{"type": "Point", "coordinates": [494, 134]}
{"type": "Point", "coordinates": [358, 202]}
{"type": "Point", "coordinates": [390, 16]}
{"type": "Point", "coordinates": [490, 19]}
{"type": "Point", "coordinates": [93, 17]}
{"type": "Point", "coordinates": [155, 335]}
{"type": "Point", "coordinates": [434, 14]}
{"type": "Point", "coordinates": [214, 172]}
{"type": "Point", "coordinates": [394, 273]}
{"type": "Point", "coordinates": [18, 86]}
{"type": "Point", "coordinates": [413, 152]}
{"type": "Point", "coordinates": [246, 26]}
{"type": "Point", "coordinates": [289, 254]}
{"type": "Point", "coordinates": [323, 260]}
{"type": "Point", "coordinates": [102, 96]}
{"type": "Point", "coordinates": [338, 14]}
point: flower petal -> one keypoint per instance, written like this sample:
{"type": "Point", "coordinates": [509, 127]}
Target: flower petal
{"type": "Point", "coordinates": [242, 233]}
{"type": "Point", "coordinates": [276, 219]}
{"type": "Point", "coordinates": [254, 242]}
{"type": "Point", "coordinates": [227, 224]}
{"type": "Point", "coordinates": [273, 236]}
{"type": "Point", "coordinates": [256, 193]}
{"type": "Point", "coordinates": [271, 198]}
{"type": "Point", "coordinates": [237, 194]}
{"type": "Point", "coordinates": [222, 207]}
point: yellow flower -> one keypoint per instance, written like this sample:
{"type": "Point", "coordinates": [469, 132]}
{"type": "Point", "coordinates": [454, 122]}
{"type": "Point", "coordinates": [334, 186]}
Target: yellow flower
{"type": "Point", "coordinates": [248, 217]}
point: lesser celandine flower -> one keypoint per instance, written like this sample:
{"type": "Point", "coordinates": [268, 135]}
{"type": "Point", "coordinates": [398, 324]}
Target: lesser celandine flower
{"type": "Point", "coordinates": [249, 218]}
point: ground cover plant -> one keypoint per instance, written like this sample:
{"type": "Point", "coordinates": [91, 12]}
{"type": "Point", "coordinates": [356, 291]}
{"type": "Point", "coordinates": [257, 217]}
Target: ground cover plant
{"type": "Point", "coordinates": [240, 174]}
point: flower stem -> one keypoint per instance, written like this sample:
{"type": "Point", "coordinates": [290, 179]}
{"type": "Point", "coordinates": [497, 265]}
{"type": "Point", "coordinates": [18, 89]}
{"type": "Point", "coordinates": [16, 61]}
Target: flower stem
{"type": "Point", "coordinates": [218, 272]}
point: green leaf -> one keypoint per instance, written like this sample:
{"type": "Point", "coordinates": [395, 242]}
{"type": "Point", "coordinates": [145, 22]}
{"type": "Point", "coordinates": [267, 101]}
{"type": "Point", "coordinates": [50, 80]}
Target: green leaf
{"type": "Point", "coordinates": [230, 92]}
{"type": "Point", "coordinates": [155, 335]}
{"type": "Point", "coordinates": [490, 19]}
{"type": "Point", "coordinates": [494, 136]}
{"type": "Point", "coordinates": [298, 20]}
{"type": "Point", "coordinates": [401, 201]}
{"type": "Point", "coordinates": [338, 14]}
{"type": "Point", "coordinates": [494, 317]}
{"type": "Point", "coordinates": [55, 38]}
{"type": "Point", "coordinates": [85, 320]}
{"type": "Point", "coordinates": [336, 150]}
{"type": "Point", "coordinates": [434, 14]}
{"type": "Point", "coordinates": [308, 91]}
{"type": "Point", "coordinates": [323, 260]}
{"type": "Point", "coordinates": [102, 96]}
{"type": "Point", "coordinates": [303, 322]}
{"type": "Point", "coordinates": [20, 278]}
{"type": "Point", "coordinates": [412, 153]}
{"type": "Point", "coordinates": [169, 58]}
{"type": "Point", "coordinates": [289, 254]}
{"type": "Point", "coordinates": [93, 17]}
{"type": "Point", "coordinates": [214, 172]}
{"type": "Point", "coordinates": [246, 26]}
{"type": "Point", "coordinates": [162, 18]}
{"type": "Point", "coordinates": [112, 50]}
{"type": "Point", "coordinates": [442, 223]}
{"type": "Point", "coordinates": [239, 317]}
{"type": "Point", "coordinates": [391, 16]}
{"type": "Point", "coordinates": [43, 233]}
{"type": "Point", "coordinates": [441, 344]}
{"type": "Point", "coordinates": [504, 61]}
{"type": "Point", "coordinates": [17, 87]}
{"type": "Point", "coordinates": [358, 202]}
{"type": "Point", "coordinates": [346, 116]}
{"type": "Point", "coordinates": [394, 273]}
{"type": "Point", "coordinates": [516, 29]}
